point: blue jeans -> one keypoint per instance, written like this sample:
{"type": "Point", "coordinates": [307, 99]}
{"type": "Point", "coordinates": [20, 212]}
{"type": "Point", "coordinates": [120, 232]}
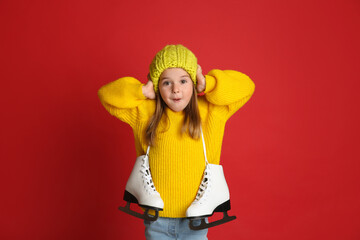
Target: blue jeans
{"type": "Point", "coordinates": [173, 228]}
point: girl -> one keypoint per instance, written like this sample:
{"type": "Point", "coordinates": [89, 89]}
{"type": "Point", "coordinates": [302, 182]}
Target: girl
{"type": "Point", "coordinates": [167, 114]}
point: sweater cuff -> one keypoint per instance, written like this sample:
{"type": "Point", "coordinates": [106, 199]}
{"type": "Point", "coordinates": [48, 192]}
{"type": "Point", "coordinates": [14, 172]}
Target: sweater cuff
{"type": "Point", "coordinates": [139, 92]}
{"type": "Point", "coordinates": [210, 83]}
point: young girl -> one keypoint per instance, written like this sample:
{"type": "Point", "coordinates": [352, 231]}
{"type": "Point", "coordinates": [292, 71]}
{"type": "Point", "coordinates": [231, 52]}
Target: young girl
{"type": "Point", "coordinates": [167, 114]}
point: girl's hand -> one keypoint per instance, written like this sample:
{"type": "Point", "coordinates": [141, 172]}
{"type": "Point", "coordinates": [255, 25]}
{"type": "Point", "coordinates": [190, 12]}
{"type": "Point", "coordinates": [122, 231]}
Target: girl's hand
{"type": "Point", "coordinates": [148, 89]}
{"type": "Point", "coordinates": [200, 79]}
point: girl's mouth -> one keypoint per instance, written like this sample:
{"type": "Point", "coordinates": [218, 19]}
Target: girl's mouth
{"type": "Point", "coordinates": [176, 99]}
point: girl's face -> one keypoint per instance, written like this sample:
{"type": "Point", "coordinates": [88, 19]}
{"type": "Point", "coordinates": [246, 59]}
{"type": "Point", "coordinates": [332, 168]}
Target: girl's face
{"type": "Point", "coordinates": [176, 88]}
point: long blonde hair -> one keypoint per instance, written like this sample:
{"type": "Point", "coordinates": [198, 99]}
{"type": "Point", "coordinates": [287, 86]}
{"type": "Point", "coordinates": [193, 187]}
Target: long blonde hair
{"type": "Point", "coordinates": [191, 124]}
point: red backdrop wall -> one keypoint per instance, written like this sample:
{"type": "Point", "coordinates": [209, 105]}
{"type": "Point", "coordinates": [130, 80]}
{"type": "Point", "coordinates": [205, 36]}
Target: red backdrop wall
{"type": "Point", "coordinates": [290, 154]}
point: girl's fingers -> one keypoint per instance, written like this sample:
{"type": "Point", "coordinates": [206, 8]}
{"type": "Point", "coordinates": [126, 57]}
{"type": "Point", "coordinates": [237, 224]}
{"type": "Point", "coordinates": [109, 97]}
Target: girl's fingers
{"type": "Point", "coordinates": [199, 70]}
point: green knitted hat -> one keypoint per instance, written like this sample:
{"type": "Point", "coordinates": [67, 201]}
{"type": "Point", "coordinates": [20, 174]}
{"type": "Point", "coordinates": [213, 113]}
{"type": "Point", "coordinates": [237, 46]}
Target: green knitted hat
{"type": "Point", "coordinates": [173, 56]}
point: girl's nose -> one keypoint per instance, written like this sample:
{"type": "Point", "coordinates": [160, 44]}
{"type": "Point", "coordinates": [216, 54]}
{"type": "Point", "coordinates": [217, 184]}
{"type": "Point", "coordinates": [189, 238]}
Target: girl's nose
{"type": "Point", "coordinates": [175, 88]}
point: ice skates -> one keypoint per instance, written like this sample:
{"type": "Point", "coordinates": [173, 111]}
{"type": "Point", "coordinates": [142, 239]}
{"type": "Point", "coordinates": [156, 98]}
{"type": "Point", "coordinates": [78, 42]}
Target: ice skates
{"type": "Point", "coordinates": [140, 189]}
{"type": "Point", "coordinates": [213, 196]}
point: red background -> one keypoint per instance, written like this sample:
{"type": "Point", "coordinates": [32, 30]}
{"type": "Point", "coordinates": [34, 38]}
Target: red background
{"type": "Point", "coordinates": [290, 154]}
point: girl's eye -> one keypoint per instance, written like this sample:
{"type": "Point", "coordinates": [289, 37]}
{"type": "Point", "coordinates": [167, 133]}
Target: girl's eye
{"type": "Point", "coordinates": [183, 81]}
{"type": "Point", "coordinates": [166, 83]}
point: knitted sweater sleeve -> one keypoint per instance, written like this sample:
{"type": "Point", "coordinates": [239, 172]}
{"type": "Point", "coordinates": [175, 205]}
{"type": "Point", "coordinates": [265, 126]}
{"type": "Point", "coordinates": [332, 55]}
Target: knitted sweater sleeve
{"type": "Point", "coordinates": [228, 90]}
{"type": "Point", "coordinates": [123, 98]}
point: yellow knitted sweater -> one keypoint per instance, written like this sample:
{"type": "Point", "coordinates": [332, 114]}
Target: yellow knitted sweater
{"type": "Point", "coordinates": [176, 160]}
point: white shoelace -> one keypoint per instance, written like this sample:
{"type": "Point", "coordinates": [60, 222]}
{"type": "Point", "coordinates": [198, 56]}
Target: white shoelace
{"type": "Point", "coordinates": [205, 185]}
{"type": "Point", "coordinates": [146, 175]}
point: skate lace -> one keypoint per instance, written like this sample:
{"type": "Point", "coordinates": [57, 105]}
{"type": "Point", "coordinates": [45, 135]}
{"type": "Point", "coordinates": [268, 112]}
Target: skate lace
{"type": "Point", "coordinates": [205, 185]}
{"type": "Point", "coordinates": [146, 175]}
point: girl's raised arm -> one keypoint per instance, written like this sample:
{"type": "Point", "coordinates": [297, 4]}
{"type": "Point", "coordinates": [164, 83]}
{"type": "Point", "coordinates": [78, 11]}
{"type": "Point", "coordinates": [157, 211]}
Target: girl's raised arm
{"type": "Point", "coordinates": [122, 97]}
{"type": "Point", "coordinates": [228, 88]}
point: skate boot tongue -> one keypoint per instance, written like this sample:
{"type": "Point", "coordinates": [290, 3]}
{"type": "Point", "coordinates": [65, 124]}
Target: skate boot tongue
{"type": "Point", "coordinates": [146, 176]}
{"type": "Point", "coordinates": [205, 186]}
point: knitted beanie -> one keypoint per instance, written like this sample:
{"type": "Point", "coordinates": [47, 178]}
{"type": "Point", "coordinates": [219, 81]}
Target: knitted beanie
{"type": "Point", "coordinates": [173, 56]}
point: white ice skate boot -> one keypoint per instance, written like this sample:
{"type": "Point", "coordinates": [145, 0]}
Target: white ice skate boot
{"type": "Point", "coordinates": [140, 189]}
{"type": "Point", "coordinates": [213, 196]}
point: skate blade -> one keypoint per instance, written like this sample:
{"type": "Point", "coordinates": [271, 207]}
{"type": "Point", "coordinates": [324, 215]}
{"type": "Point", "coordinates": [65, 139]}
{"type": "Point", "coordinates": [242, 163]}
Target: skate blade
{"type": "Point", "coordinates": [144, 216]}
{"type": "Point", "coordinates": [204, 225]}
